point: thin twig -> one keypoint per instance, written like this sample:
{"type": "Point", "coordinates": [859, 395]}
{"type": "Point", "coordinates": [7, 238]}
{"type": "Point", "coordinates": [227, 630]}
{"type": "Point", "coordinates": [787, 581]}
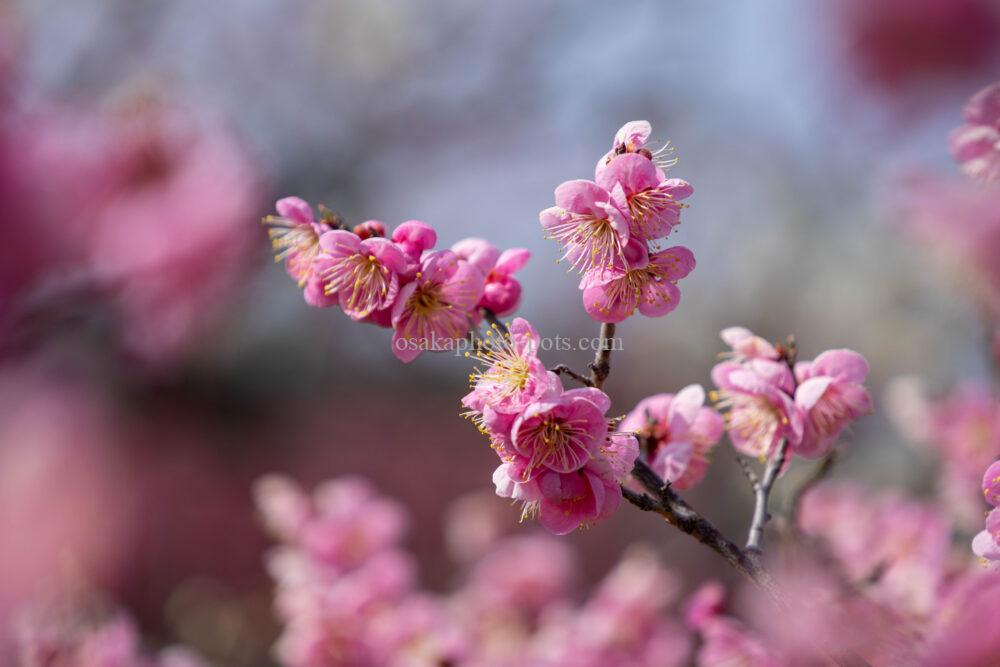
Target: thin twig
{"type": "Point", "coordinates": [563, 369]}
{"type": "Point", "coordinates": [601, 366]}
{"type": "Point", "coordinates": [761, 495]}
{"type": "Point", "coordinates": [748, 472]}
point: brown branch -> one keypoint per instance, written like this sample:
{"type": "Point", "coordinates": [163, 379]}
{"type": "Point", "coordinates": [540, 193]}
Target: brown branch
{"type": "Point", "coordinates": [563, 369]}
{"type": "Point", "coordinates": [678, 513]}
{"type": "Point", "coordinates": [601, 366]}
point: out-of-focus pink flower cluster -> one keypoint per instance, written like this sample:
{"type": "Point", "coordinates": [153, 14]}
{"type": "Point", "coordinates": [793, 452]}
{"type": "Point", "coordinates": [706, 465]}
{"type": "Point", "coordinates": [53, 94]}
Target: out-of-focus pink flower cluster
{"type": "Point", "coordinates": [967, 210]}
{"type": "Point", "coordinates": [430, 298]}
{"type": "Point", "coordinates": [140, 209]}
{"type": "Point", "coordinates": [962, 431]}
{"type": "Point", "coordinates": [768, 401]}
{"type": "Point", "coordinates": [67, 634]}
{"type": "Point", "coordinates": [873, 577]}
{"type": "Point", "coordinates": [609, 229]}
{"type": "Point", "coordinates": [560, 456]}
{"type": "Point", "coordinates": [347, 595]}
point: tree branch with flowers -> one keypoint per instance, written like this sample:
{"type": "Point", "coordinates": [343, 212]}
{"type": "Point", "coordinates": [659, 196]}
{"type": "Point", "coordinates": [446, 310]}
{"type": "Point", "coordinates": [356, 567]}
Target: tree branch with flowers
{"type": "Point", "coordinates": [561, 457]}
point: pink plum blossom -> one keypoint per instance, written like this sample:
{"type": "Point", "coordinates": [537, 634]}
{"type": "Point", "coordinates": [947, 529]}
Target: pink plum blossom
{"type": "Point", "coordinates": [295, 236]}
{"type": "Point", "coordinates": [760, 410]}
{"type": "Point", "coordinates": [653, 201]}
{"type": "Point", "coordinates": [572, 499]}
{"type": "Point", "coordinates": [831, 395]}
{"type": "Point", "coordinates": [976, 145]}
{"type": "Point", "coordinates": [514, 375]}
{"type": "Point", "coordinates": [434, 311]}
{"type": "Point", "coordinates": [590, 223]}
{"type": "Point", "coordinates": [679, 432]}
{"type": "Point", "coordinates": [502, 292]}
{"type": "Point", "coordinates": [370, 229]}
{"type": "Point", "coordinates": [561, 433]}
{"type": "Point", "coordinates": [414, 237]}
{"type": "Point", "coordinates": [748, 345]}
{"type": "Point", "coordinates": [649, 287]}
{"type": "Point", "coordinates": [987, 549]}
{"type": "Point", "coordinates": [991, 484]}
{"type": "Point", "coordinates": [364, 274]}
{"type": "Point", "coordinates": [340, 525]}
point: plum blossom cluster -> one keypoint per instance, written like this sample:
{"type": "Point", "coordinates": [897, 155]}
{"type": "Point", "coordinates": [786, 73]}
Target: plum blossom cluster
{"type": "Point", "coordinates": [960, 429]}
{"type": "Point", "coordinates": [986, 543]}
{"type": "Point", "coordinates": [64, 634]}
{"type": "Point", "coordinates": [431, 299]}
{"type": "Point", "coordinates": [771, 399]}
{"type": "Point", "coordinates": [609, 229]}
{"type": "Point", "coordinates": [560, 455]}
{"type": "Point", "coordinates": [347, 595]}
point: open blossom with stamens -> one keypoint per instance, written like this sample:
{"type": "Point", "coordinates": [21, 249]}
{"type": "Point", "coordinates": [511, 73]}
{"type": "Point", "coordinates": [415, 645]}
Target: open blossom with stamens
{"type": "Point", "coordinates": [364, 274]}
{"type": "Point", "coordinates": [831, 395]}
{"type": "Point", "coordinates": [295, 237]}
{"type": "Point", "coordinates": [432, 312]}
{"type": "Point", "coordinates": [649, 287]}
{"type": "Point", "coordinates": [590, 222]}
{"type": "Point", "coordinates": [679, 433]}
{"type": "Point", "coordinates": [633, 137]}
{"type": "Point", "coordinates": [653, 201]}
{"type": "Point", "coordinates": [514, 375]}
{"type": "Point", "coordinates": [976, 145]}
{"type": "Point", "coordinates": [502, 292]}
{"type": "Point", "coordinates": [760, 409]}
{"type": "Point", "coordinates": [561, 433]}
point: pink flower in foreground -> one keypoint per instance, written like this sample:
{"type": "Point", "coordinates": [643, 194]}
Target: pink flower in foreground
{"type": "Point", "coordinates": [432, 313]}
{"type": "Point", "coordinates": [976, 145]}
{"type": "Point", "coordinates": [364, 274]}
{"type": "Point", "coordinates": [760, 410]}
{"type": "Point", "coordinates": [649, 287]}
{"type": "Point", "coordinates": [653, 201]}
{"type": "Point", "coordinates": [679, 433]}
{"type": "Point", "coordinates": [572, 499]}
{"type": "Point", "coordinates": [590, 223]}
{"type": "Point", "coordinates": [414, 237]}
{"type": "Point", "coordinates": [561, 433]}
{"type": "Point", "coordinates": [987, 549]}
{"type": "Point", "coordinates": [831, 395]}
{"type": "Point", "coordinates": [633, 137]}
{"type": "Point", "coordinates": [502, 292]}
{"type": "Point", "coordinates": [514, 377]}
{"type": "Point", "coordinates": [295, 237]}
{"type": "Point", "coordinates": [991, 484]}
{"type": "Point", "coordinates": [564, 501]}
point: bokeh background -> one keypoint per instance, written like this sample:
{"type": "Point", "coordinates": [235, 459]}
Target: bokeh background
{"type": "Point", "coordinates": [155, 361]}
